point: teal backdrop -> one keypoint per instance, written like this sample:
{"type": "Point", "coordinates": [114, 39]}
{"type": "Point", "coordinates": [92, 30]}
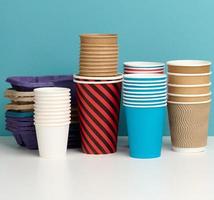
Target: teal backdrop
{"type": "Point", "coordinates": [41, 37]}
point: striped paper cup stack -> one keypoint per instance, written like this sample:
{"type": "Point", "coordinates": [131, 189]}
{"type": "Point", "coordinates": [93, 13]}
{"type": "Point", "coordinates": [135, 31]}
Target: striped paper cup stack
{"type": "Point", "coordinates": [98, 55]}
{"type": "Point", "coordinates": [189, 100]}
{"type": "Point", "coordinates": [141, 67]}
{"type": "Point", "coordinates": [145, 100]}
{"type": "Point", "coordinates": [98, 90]}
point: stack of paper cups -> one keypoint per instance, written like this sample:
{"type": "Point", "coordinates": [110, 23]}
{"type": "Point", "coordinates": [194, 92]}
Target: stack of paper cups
{"type": "Point", "coordinates": [189, 100]}
{"type": "Point", "coordinates": [98, 55]}
{"type": "Point", "coordinates": [52, 118]}
{"type": "Point", "coordinates": [141, 67]}
{"type": "Point", "coordinates": [145, 100]}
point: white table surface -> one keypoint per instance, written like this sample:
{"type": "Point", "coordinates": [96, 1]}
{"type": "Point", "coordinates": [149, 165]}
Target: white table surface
{"type": "Point", "coordinates": [174, 176]}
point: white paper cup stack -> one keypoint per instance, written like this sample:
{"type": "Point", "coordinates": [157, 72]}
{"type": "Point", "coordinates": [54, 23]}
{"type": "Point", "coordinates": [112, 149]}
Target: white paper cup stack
{"type": "Point", "coordinates": [52, 110]}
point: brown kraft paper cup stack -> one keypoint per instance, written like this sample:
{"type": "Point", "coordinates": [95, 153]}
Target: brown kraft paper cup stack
{"type": "Point", "coordinates": [98, 55]}
{"type": "Point", "coordinates": [189, 100]}
{"type": "Point", "coordinates": [189, 125]}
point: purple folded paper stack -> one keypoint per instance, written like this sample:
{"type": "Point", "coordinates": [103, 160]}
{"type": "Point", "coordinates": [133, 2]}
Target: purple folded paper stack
{"type": "Point", "coordinates": [21, 123]}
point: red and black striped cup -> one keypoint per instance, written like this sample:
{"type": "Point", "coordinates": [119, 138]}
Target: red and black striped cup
{"type": "Point", "coordinates": [98, 100]}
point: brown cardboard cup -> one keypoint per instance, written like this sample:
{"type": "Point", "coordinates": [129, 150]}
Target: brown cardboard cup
{"type": "Point", "coordinates": [19, 107]}
{"type": "Point", "coordinates": [189, 98]}
{"type": "Point", "coordinates": [189, 66]}
{"type": "Point", "coordinates": [98, 74]}
{"type": "Point", "coordinates": [188, 124]}
{"type": "Point", "coordinates": [99, 38]}
{"type": "Point", "coordinates": [111, 68]}
{"type": "Point", "coordinates": [94, 53]}
{"type": "Point", "coordinates": [188, 79]}
{"type": "Point", "coordinates": [189, 89]}
{"type": "Point", "coordinates": [87, 45]}
{"type": "Point", "coordinates": [98, 56]}
{"type": "Point", "coordinates": [99, 48]}
{"type": "Point", "coordinates": [102, 60]}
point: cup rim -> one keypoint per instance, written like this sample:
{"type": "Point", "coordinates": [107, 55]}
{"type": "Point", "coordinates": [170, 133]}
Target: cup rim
{"type": "Point", "coordinates": [180, 74]}
{"type": "Point", "coordinates": [197, 85]}
{"type": "Point", "coordinates": [188, 63]}
{"type": "Point", "coordinates": [155, 99]}
{"type": "Point", "coordinates": [147, 96]}
{"type": "Point", "coordinates": [201, 102]}
{"type": "Point", "coordinates": [98, 35]}
{"type": "Point", "coordinates": [143, 68]}
{"type": "Point", "coordinates": [150, 76]}
{"type": "Point", "coordinates": [190, 95]}
{"type": "Point", "coordinates": [149, 85]}
{"type": "Point", "coordinates": [47, 90]}
{"type": "Point", "coordinates": [147, 103]}
{"type": "Point", "coordinates": [154, 106]}
{"type": "Point", "coordinates": [155, 88]}
{"type": "Point", "coordinates": [94, 82]}
{"type": "Point", "coordinates": [157, 92]}
{"type": "Point", "coordinates": [55, 124]}
{"type": "Point", "coordinates": [138, 81]}
{"type": "Point", "coordinates": [146, 64]}
{"type": "Point", "coordinates": [111, 78]}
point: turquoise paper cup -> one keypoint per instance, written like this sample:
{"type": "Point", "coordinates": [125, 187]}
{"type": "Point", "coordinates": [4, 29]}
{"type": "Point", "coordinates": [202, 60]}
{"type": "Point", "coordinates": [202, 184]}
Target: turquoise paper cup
{"type": "Point", "coordinates": [144, 77]}
{"type": "Point", "coordinates": [145, 129]}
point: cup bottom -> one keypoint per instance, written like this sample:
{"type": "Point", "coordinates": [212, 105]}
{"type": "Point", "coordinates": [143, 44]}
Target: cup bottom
{"type": "Point", "coordinates": [189, 150]}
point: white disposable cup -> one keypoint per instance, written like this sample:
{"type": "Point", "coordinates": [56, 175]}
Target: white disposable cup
{"type": "Point", "coordinates": [50, 106]}
{"type": "Point", "coordinates": [52, 140]}
{"type": "Point", "coordinates": [54, 103]}
{"type": "Point", "coordinates": [52, 121]}
{"type": "Point", "coordinates": [51, 91]}
{"type": "Point", "coordinates": [142, 64]}
{"type": "Point", "coordinates": [51, 110]}
{"type": "Point", "coordinates": [52, 98]}
{"type": "Point", "coordinates": [143, 68]}
{"type": "Point", "coordinates": [45, 113]}
{"type": "Point", "coordinates": [52, 117]}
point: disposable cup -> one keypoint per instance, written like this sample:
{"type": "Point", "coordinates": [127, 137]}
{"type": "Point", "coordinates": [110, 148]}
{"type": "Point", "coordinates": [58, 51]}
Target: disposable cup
{"type": "Point", "coordinates": [144, 96]}
{"type": "Point", "coordinates": [189, 125]}
{"type": "Point", "coordinates": [52, 121]}
{"type": "Point", "coordinates": [99, 107]}
{"type": "Point", "coordinates": [145, 81]}
{"type": "Point", "coordinates": [98, 74]}
{"type": "Point", "coordinates": [189, 89]}
{"type": "Point", "coordinates": [52, 141]}
{"type": "Point", "coordinates": [98, 52]}
{"type": "Point", "coordinates": [98, 56]}
{"type": "Point", "coordinates": [98, 64]}
{"type": "Point", "coordinates": [56, 109]}
{"type": "Point", "coordinates": [127, 84]}
{"type": "Point", "coordinates": [189, 66]}
{"type": "Point", "coordinates": [189, 79]}
{"type": "Point", "coordinates": [147, 103]}
{"type": "Point", "coordinates": [51, 91]}
{"type": "Point", "coordinates": [45, 113]}
{"type": "Point", "coordinates": [84, 48]}
{"type": "Point", "coordinates": [52, 103]}
{"type": "Point", "coordinates": [143, 69]}
{"type": "Point", "coordinates": [50, 106]}
{"type": "Point", "coordinates": [144, 77]}
{"type": "Point", "coordinates": [189, 98]}
{"type": "Point", "coordinates": [98, 60]}
{"type": "Point", "coordinates": [144, 99]}
{"type": "Point", "coordinates": [142, 64]}
{"type": "Point", "coordinates": [143, 72]}
{"type": "Point", "coordinates": [52, 98]}
{"type": "Point", "coordinates": [142, 89]}
{"type": "Point", "coordinates": [95, 45]}
{"type": "Point", "coordinates": [145, 127]}
{"type": "Point", "coordinates": [99, 38]}
{"type": "Point", "coordinates": [40, 116]}
{"type": "Point", "coordinates": [104, 79]}
{"type": "Point", "coordinates": [145, 93]}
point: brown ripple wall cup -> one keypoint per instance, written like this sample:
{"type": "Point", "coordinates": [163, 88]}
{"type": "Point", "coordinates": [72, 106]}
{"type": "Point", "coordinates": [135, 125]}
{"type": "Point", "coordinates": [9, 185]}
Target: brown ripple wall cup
{"type": "Point", "coordinates": [189, 126]}
{"type": "Point", "coordinates": [99, 38]}
{"type": "Point", "coordinates": [187, 79]}
{"type": "Point", "coordinates": [189, 89]}
{"type": "Point", "coordinates": [189, 66]}
{"type": "Point", "coordinates": [189, 98]}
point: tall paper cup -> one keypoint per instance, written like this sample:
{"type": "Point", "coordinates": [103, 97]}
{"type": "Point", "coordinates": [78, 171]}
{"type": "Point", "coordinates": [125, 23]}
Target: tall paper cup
{"type": "Point", "coordinates": [99, 107]}
{"type": "Point", "coordinates": [189, 125]}
{"type": "Point", "coordinates": [98, 38]}
{"type": "Point", "coordinates": [189, 98]}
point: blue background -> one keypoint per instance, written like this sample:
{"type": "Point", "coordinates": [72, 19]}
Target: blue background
{"type": "Point", "coordinates": [42, 37]}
